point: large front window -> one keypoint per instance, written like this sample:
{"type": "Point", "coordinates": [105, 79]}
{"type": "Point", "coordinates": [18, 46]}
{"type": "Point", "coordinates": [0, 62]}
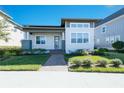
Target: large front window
{"type": "Point", "coordinates": [40, 39]}
{"type": "Point", "coordinates": [79, 38]}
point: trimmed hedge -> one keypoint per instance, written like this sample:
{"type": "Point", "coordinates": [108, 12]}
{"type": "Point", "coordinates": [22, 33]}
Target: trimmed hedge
{"type": "Point", "coordinates": [7, 51]}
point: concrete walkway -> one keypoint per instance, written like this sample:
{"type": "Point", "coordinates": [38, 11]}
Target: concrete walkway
{"type": "Point", "coordinates": [55, 63]}
{"type": "Point", "coordinates": [47, 79]}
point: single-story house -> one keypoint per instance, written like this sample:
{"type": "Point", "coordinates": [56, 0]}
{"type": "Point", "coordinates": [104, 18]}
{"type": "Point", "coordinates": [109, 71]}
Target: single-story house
{"type": "Point", "coordinates": [73, 34]}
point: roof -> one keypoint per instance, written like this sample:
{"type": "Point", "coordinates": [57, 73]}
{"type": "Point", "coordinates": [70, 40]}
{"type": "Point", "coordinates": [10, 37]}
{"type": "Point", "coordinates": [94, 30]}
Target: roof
{"type": "Point", "coordinates": [9, 18]}
{"type": "Point", "coordinates": [109, 18]}
{"type": "Point", "coordinates": [39, 27]}
{"type": "Point", "coordinates": [3, 13]}
{"type": "Point", "coordinates": [63, 20]}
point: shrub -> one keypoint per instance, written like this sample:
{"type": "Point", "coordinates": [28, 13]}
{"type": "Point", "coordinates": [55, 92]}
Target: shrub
{"type": "Point", "coordinates": [97, 52]}
{"type": "Point", "coordinates": [103, 49]}
{"type": "Point", "coordinates": [7, 54]}
{"type": "Point", "coordinates": [76, 62]}
{"type": "Point", "coordinates": [1, 52]}
{"type": "Point", "coordinates": [12, 50]}
{"type": "Point", "coordinates": [79, 52]}
{"type": "Point", "coordinates": [121, 51]}
{"type": "Point", "coordinates": [87, 62]}
{"type": "Point", "coordinates": [38, 51]}
{"type": "Point", "coordinates": [101, 63]}
{"type": "Point", "coordinates": [118, 45]}
{"type": "Point", "coordinates": [116, 62]}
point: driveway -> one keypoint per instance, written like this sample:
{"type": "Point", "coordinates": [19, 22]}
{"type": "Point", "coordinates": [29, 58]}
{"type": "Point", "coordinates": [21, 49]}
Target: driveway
{"type": "Point", "coordinates": [55, 63]}
{"type": "Point", "coordinates": [60, 80]}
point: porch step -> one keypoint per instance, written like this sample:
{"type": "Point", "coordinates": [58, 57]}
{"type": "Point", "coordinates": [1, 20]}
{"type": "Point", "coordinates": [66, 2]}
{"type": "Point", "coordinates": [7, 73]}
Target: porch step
{"type": "Point", "coordinates": [56, 51]}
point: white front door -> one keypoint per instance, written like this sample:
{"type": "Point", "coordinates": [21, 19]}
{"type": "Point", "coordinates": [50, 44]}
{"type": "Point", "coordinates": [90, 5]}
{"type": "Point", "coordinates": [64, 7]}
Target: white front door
{"type": "Point", "coordinates": [57, 42]}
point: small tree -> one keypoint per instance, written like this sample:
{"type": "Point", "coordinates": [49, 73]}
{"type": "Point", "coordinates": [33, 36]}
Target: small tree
{"type": "Point", "coordinates": [3, 30]}
{"type": "Point", "coordinates": [118, 45]}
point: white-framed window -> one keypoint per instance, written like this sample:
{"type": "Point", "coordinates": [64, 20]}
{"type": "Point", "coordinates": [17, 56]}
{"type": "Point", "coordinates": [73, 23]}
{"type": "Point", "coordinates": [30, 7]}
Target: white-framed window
{"type": "Point", "coordinates": [117, 38]}
{"type": "Point", "coordinates": [107, 39]}
{"type": "Point", "coordinates": [104, 29]}
{"type": "Point", "coordinates": [15, 30]}
{"type": "Point", "coordinates": [79, 38]}
{"type": "Point", "coordinates": [80, 25]}
{"type": "Point", "coordinates": [85, 38]}
{"type": "Point", "coordinates": [73, 37]}
{"type": "Point", "coordinates": [112, 39]}
{"type": "Point", "coordinates": [40, 40]}
{"type": "Point", "coordinates": [98, 40]}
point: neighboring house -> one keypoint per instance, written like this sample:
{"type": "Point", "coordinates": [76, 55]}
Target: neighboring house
{"type": "Point", "coordinates": [109, 30]}
{"type": "Point", "coordinates": [15, 31]}
{"type": "Point", "coordinates": [73, 34]}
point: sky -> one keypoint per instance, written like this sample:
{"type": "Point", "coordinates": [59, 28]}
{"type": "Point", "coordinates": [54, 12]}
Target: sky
{"type": "Point", "coordinates": [52, 14]}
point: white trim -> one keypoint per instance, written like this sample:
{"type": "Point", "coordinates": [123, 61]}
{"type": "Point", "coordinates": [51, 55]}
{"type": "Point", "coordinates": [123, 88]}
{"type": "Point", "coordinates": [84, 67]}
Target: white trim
{"type": "Point", "coordinates": [40, 36]}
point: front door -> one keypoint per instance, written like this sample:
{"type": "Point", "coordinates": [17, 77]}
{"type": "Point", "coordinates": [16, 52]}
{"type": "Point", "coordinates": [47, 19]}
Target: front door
{"type": "Point", "coordinates": [56, 42]}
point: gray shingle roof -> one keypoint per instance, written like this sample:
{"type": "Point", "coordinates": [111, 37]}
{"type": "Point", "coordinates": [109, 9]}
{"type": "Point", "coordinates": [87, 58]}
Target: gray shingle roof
{"type": "Point", "coordinates": [109, 18]}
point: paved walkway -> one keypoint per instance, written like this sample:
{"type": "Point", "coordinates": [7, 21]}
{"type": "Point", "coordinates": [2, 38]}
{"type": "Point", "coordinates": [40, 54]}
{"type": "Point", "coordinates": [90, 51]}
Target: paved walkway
{"type": "Point", "coordinates": [47, 79]}
{"type": "Point", "coordinates": [55, 63]}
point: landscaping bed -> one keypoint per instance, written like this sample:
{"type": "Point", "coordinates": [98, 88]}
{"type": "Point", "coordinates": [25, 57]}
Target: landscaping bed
{"type": "Point", "coordinates": [97, 69]}
{"type": "Point", "coordinates": [95, 63]}
{"type": "Point", "coordinates": [23, 63]}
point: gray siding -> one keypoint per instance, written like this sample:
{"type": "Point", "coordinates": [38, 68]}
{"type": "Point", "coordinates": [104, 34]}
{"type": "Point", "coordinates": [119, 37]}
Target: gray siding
{"type": "Point", "coordinates": [114, 28]}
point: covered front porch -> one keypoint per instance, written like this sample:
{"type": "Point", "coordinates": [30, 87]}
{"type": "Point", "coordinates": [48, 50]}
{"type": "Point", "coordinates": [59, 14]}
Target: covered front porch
{"type": "Point", "coordinates": [50, 38]}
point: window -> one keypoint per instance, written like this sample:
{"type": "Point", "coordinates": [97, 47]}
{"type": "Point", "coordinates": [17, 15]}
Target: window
{"type": "Point", "coordinates": [80, 25]}
{"type": "Point", "coordinates": [73, 38]}
{"type": "Point", "coordinates": [103, 29]}
{"type": "Point", "coordinates": [15, 30]}
{"type": "Point", "coordinates": [107, 39]}
{"type": "Point", "coordinates": [86, 25]}
{"type": "Point", "coordinates": [117, 38]}
{"type": "Point", "coordinates": [112, 39]}
{"type": "Point", "coordinates": [79, 38]}
{"type": "Point", "coordinates": [73, 25]}
{"type": "Point", "coordinates": [40, 39]}
{"type": "Point", "coordinates": [85, 37]}
{"type": "Point", "coordinates": [98, 40]}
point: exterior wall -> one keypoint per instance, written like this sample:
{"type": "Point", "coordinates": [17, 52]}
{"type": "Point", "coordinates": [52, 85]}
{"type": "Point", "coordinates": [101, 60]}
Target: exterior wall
{"type": "Point", "coordinates": [49, 40]}
{"type": "Point", "coordinates": [74, 46]}
{"type": "Point", "coordinates": [114, 28]}
{"type": "Point", "coordinates": [15, 37]}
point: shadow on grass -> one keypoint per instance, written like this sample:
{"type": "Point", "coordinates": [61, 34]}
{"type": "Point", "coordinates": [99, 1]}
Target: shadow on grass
{"type": "Point", "coordinates": [25, 60]}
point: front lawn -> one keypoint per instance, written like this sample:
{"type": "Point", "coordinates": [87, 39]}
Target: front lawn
{"type": "Point", "coordinates": [23, 63]}
{"type": "Point", "coordinates": [94, 59]}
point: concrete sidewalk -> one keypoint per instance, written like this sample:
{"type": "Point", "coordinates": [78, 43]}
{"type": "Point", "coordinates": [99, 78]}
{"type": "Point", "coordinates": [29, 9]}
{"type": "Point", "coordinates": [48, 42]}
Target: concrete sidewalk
{"type": "Point", "coordinates": [55, 63]}
{"type": "Point", "coordinates": [60, 80]}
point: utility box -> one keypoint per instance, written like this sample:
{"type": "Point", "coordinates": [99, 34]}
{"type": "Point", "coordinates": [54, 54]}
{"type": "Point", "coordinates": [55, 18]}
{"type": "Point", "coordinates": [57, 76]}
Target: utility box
{"type": "Point", "coordinates": [26, 44]}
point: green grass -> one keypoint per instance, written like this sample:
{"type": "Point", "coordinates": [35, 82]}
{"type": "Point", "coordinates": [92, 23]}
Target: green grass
{"type": "Point", "coordinates": [23, 63]}
{"type": "Point", "coordinates": [112, 55]}
{"type": "Point", "coordinates": [108, 56]}
{"type": "Point", "coordinates": [97, 69]}
{"type": "Point", "coordinates": [93, 58]}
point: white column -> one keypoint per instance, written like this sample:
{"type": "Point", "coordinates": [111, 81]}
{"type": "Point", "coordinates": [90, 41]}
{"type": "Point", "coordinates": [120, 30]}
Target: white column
{"type": "Point", "coordinates": [27, 37]}
{"type": "Point", "coordinates": [63, 35]}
